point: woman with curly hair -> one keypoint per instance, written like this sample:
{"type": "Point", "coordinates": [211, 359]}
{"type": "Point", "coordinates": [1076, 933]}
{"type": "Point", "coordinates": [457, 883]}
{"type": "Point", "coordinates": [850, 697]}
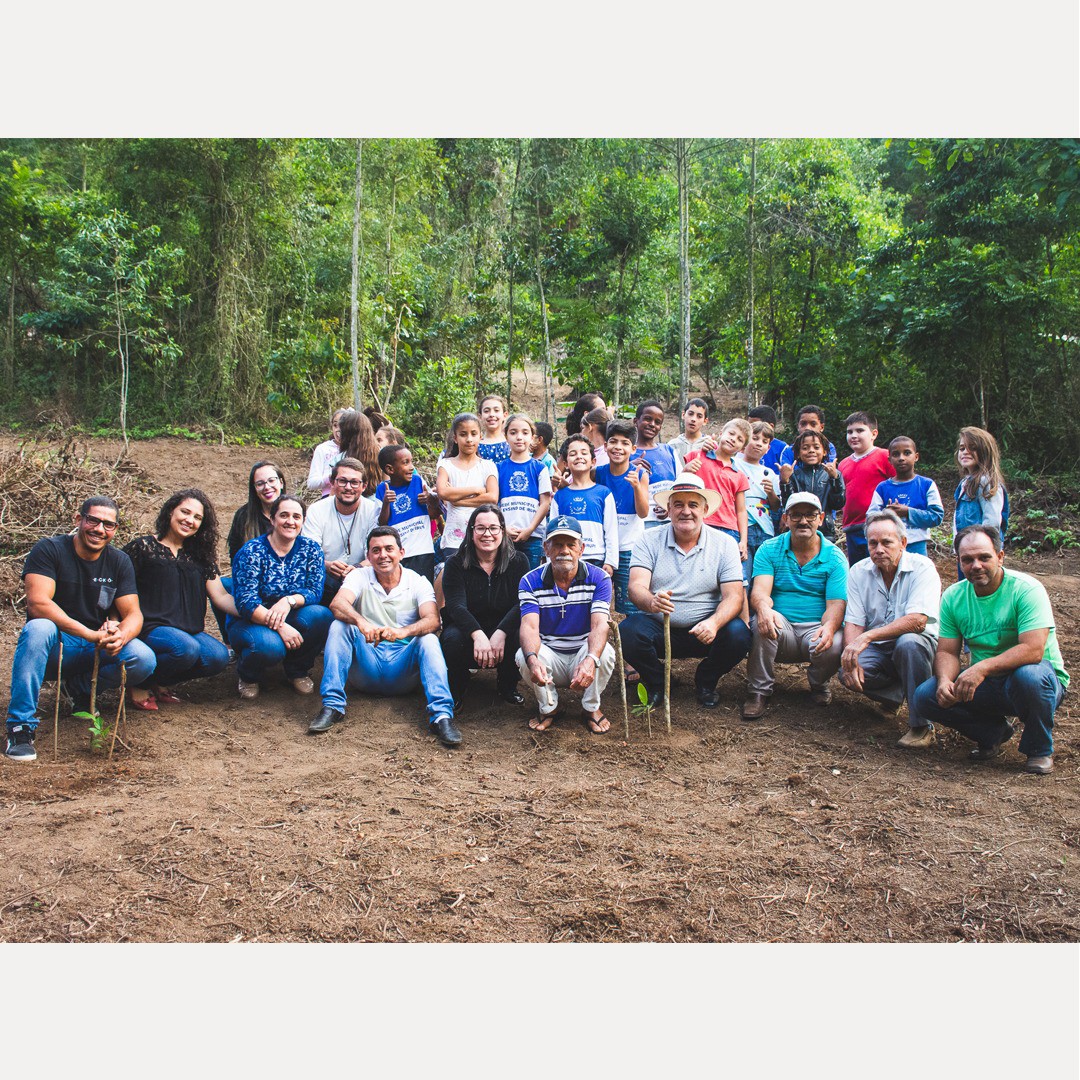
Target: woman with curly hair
{"type": "Point", "coordinates": [175, 571]}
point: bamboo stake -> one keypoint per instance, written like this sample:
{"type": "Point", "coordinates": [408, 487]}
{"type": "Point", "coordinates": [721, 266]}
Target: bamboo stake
{"type": "Point", "coordinates": [93, 681]}
{"type": "Point", "coordinates": [622, 674]}
{"type": "Point", "coordinates": [56, 709]}
{"type": "Point", "coordinates": [120, 710]}
{"type": "Point", "coordinates": [667, 670]}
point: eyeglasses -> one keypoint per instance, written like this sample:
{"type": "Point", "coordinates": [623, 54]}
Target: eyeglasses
{"type": "Point", "coordinates": [342, 482]}
{"type": "Point", "coordinates": [272, 482]}
{"type": "Point", "coordinates": [488, 530]}
{"type": "Point", "coordinates": [94, 522]}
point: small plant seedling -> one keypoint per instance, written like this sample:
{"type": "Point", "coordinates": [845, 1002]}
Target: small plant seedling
{"type": "Point", "coordinates": [643, 709]}
{"type": "Point", "coordinates": [99, 733]}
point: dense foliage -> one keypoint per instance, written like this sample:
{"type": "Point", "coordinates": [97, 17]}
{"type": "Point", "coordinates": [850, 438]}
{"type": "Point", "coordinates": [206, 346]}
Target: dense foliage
{"type": "Point", "coordinates": [207, 281]}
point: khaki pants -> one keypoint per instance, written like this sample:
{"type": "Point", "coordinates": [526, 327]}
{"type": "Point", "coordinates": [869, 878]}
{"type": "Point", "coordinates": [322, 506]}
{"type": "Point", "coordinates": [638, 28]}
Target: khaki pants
{"type": "Point", "coordinates": [561, 667]}
{"type": "Point", "coordinates": [791, 647]}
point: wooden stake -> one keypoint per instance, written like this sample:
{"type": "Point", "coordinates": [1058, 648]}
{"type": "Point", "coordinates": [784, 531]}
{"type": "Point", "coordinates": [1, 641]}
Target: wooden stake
{"type": "Point", "coordinates": [667, 670]}
{"type": "Point", "coordinates": [56, 709]}
{"type": "Point", "coordinates": [622, 675]}
{"type": "Point", "coordinates": [119, 708]}
{"type": "Point", "coordinates": [93, 682]}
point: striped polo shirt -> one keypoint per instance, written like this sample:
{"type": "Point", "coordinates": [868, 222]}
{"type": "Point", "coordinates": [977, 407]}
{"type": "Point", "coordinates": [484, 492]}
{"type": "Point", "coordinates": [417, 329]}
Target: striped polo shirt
{"type": "Point", "coordinates": [565, 617]}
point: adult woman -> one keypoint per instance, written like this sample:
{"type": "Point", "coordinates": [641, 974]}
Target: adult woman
{"type": "Point", "coordinates": [266, 482]}
{"type": "Point", "coordinates": [175, 571]}
{"type": "Point", "coordinates": [277, 584]}
{"type": "Point", "coordinates": [481, 618]}
{"type": "Point", "coordinates": [357, 440]}
{"type": "Point", "coordinates": [324, 456]}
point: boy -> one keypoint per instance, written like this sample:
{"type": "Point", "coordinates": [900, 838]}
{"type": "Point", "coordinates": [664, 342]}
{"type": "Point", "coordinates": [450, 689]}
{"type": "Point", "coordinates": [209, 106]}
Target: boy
{"type": "Point", "coordinates": [630, 489]}
{"type": "Point", "coordinates": [407, 507]}
{"type": "Point", "coordinates": [717, 470]}
{"type": "Point", "coordinates": [693, 436]}
{"type": "Point", "coordinates": [863, 469]}
{"type": "Point", "coordinates": [763, 495]}
{"type": "Point", "coordinates": [771, 457]}
{"type": "Point", "coordinates": [544, 434]}
{"type": "Point", "coordinates": [915, 498]}
{"type": "Point", "coordinates": [810, 418]}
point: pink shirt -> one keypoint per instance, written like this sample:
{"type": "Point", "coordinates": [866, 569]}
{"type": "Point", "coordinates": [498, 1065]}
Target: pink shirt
{"type": "Point", "coordinates": [726, 479]}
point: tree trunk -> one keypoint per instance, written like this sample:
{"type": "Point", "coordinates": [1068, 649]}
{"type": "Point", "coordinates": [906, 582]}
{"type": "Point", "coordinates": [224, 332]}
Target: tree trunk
{"type": "Point", "coordinates": [751, 374]}
{"type": "Point", "coordinates": [682, 153]}
{"type": "Point", "coordinates": [619, 335]}
{"type": "Point", "coordinates": [549, 396]}
{"type": "Point", "coordinates": [9, 361]}
{"type": "Point", "coordinates": [510, 270]}
{"type": "Point", "coordinates": [354, 308]}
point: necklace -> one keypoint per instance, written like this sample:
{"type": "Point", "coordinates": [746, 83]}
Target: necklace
{"type": "Point", "coordinates": [346, 534]}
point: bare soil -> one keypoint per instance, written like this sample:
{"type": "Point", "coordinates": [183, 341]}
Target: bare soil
{"type": "Point", "coordinates": [224, 821]}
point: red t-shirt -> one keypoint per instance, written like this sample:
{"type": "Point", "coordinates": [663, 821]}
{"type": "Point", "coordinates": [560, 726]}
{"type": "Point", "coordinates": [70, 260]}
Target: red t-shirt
{"type": "Point", "coordinates": [729, 482]}
{"type": "Point", "coordinates": [861, 478]}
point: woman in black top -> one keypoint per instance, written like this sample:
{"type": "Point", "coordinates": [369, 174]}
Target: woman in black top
{"type": "Point", "coordinates": [481, 619]}
{"type": "Point", "coordinates": [175, 571]}
{"type": "Point", "coordinates": [266, 482]}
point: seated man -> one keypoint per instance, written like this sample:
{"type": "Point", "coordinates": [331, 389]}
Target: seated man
{"type": "Point", "coordinates": [890, 631]}
{"type": "Point", "coordinates": [565, 607]}
{"type": "Point", "coordinates": [340, 524]}
{"type": "Point", "coordinates": [798, 600]}
{"type": "Point", "coordinates": [1016, 668]}
{"type": "Point", "coordinates": [73, 584]}
{"type": "Point", "coordinates": [383, 638]}
{"type": "Point", "coordinates": [694, 574]}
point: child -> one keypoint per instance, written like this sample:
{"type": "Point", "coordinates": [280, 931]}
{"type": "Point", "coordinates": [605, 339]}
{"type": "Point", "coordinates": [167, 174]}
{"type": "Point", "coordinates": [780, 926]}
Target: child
{"type": "Point", "coordinates": [493, 446]}
{"type": "Point", "coordinates": [813, 473]}
{"type": "Point", "coordinates": [915, 498]}
{"type": "Point", "coordinates": [693, 435]}
{"type": "Point", "coordinates": [981, 498]}
{"type": "Point", "coordinates": [810, 418]}
{"type": "Point", "coordinates": [594, 428]}
{"type": "Point", "coordinates": [718, 472]}
{"type": "Point", "coordinates": [659, 459]}
{"type": "Point", "coordinates": [543, 434]}
{"type": "Point", "coordinates": [771, 458]}
{"type": "Point", "coordinates": [629, 488]}
{"type": "Point", "coordinates": [763, 494]}
{"type": "Point", "coordinates": [463, 480]}
{"type": "Point", "coordinates": [592, 505]}
{"type": "Point", "coordinates": [324, 456]}
{"type": "Point", "coordinates": [524, 490]}
{"type": "Point", "coordinates": [406, 506]}
{"type": "Point", "coordinates": [388, 435]}
{"type": "Point", "coordinates": [863, 469]}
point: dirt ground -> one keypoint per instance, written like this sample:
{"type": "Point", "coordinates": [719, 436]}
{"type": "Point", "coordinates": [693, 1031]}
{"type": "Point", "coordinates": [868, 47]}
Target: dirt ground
{"type": "Point", "coordinates": [224, 821]}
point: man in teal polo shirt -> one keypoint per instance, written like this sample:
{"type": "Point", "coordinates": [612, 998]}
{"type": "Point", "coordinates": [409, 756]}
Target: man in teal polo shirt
{"type": "Point", "coordinates": [798, 601]}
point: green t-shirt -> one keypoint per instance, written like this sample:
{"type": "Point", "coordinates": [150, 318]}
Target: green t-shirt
{"type": "Point", "coordinates": [992, 624]}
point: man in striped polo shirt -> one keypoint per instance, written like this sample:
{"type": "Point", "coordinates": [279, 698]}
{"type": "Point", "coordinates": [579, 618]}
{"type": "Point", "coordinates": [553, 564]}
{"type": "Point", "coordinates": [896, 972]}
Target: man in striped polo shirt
{"type": "Point", "coordinates": [565, 606]}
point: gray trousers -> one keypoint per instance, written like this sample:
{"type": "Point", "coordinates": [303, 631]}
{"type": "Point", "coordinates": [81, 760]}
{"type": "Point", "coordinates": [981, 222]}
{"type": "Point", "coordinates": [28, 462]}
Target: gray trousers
{"type": "Point", "coordinates": [561, 667]}
{"type": "Point", "coordinates": [791, 647]}
{"type": "Point", "coordinates": [892, 670]}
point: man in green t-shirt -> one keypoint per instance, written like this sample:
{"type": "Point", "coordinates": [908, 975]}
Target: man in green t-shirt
{"type": "Point", "coordinates": [1016, 669]}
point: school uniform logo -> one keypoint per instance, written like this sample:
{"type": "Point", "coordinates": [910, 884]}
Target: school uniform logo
{"type": "Point", "coordinates": [578, 506]}
{"type": "Point", "coordinates": [402, 504]}
{"type": "Point", "coordinates": [519, 482]}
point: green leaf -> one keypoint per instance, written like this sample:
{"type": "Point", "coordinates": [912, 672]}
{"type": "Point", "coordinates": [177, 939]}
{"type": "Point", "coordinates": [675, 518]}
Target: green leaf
{"type": "Point", "coordinates": [642, 693]}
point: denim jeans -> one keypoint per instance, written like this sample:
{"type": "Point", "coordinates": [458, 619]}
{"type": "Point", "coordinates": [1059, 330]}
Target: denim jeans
{"type": "Point", "coordinates": [1032, 693]}
{"type": "Point", "coordinates": [620, 583]}
{"type": "Point", "coordinates": [36, 656]}
{"type": "Point", "coordinates": [755, 537]}
{"type": "Point", "coordinates": [533, 549]}
{"type": "Point", "coordinates": [855, 541]}
{"type": "Point", "coordinates": [259, 647]}
{"type": "Point", "coordinates": [223, 626]}
{"type": "Point", "coordinates": [390, 668]}
{"type": "Point", "coordinates": [182, 656]}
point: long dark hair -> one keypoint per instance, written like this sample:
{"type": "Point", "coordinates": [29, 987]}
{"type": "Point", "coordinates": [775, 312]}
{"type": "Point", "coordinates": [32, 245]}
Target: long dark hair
{"type": "Point", "coordinates": [506, 550]}
{"type": "Point", "coordinates": [202, 547]}
{"type": "Point", "coordinates": [357, 440]}
{"type": "Point", "coordinates": [254, 517]}
{"type": "Point", "coordinates": [585, 403]}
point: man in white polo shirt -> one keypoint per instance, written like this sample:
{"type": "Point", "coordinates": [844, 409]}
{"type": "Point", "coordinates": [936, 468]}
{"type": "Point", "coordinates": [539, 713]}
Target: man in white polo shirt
{"type": "Point", "coordinates": [890, 629]}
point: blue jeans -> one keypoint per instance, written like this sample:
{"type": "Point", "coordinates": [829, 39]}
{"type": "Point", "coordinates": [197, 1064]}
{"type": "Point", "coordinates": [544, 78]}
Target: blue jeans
{"type": "Point", "coordinates": [259, 647]}
{"type": "Point", "coordinates": [390, 668]}
{"type": "Point", "coordinates": [755, 537]}
{"type": "Point", "coordinates": [533, 549]}
{"type": "Point", "coordinates": [182, 656]}
{"type": "Point", "coordinates": [620, 583]}
{"type": "Point", "coordinates": [36, 657]}
{"type": "Point", "coordinates": [917, 547]}
{"type": "Point", "coordinates": [1032, 693]}
{"type": "Point", "coordinates": [223, 626]}
{"type": "Point", "coordinates": [857, 549]}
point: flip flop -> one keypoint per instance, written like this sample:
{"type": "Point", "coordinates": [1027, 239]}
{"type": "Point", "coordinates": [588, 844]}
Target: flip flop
{"type": "Point", "coordinates": [543, 721]}
{"type": "Point", "coordinates": [589, 721]}
{"type": "Point", "coordinates": [632, 675]}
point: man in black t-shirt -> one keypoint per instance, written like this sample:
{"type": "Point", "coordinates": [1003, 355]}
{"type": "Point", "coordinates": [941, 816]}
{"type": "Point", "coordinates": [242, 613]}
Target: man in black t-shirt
{"type": "Point", "coordinates": [79, 590]}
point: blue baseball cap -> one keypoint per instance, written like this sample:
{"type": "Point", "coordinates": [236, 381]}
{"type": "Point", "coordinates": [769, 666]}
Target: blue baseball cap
{"type": "Point", "coordinates": [565, 526]}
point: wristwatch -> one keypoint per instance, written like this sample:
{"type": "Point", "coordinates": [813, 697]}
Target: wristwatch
{"type": "Point", "coordinates": [594, 659]}
{"type": "Point", "coordinates": [292, 600]}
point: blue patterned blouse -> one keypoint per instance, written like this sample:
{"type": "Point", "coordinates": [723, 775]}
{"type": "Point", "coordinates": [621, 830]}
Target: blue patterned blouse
{"type": "Point", "coordinates": [262, 576]}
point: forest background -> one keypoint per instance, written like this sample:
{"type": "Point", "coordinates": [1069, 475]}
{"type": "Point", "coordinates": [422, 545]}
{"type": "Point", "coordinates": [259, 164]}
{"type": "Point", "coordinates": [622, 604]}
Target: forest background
{"type": "Point", "coordinates": [204, 286]}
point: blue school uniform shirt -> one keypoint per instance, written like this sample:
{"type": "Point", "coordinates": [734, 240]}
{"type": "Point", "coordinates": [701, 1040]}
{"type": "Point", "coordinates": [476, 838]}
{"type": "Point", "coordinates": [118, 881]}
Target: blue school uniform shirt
{"type": "Point", "coordinates": [665, 467]}
{"type": "Point", "coordinates": [920, 495]}
{"type": "Point", "coordinates": [521, 483]}
{"type": "Point", "coordinates": [771, 458]}
{"type": "Point", "coordinates": [410, 517]}
{"type": "Point", "coordinates": [594, 509]}
{"type": "Point", "coordinates": [631, 527]}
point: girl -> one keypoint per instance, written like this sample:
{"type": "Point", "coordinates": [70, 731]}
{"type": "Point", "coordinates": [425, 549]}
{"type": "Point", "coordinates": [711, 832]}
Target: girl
{"type": "Point", "coordinates": [524, 490]}
{"type": "Point", "coordinates": [175, 571]}
{"type": "Point", "coordinates": [980, 496]}
{"type": "Point", "coordinates": [388, 435]}
{"type": "Point", "coordinates": [493, 446]}
{"type": "Point", "coordinates": [357, 440]}
{"type": "Point", "coordinates": [594, 428]}
{"type": "Point", "coordinates": [591, 504]}
{"type": "Point", "coordinates": [584, 404]}
{"type": "Point", "coordinates": [324, 456]}
{"type": "Point", "coordinates": [463, 480]}
{"type": "Point", "coordinates": [813, 472]}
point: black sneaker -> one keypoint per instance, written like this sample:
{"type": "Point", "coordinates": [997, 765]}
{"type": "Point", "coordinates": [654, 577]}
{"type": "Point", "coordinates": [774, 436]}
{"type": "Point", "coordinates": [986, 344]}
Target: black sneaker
{"type": "Point", "coordinates": [20, 743]}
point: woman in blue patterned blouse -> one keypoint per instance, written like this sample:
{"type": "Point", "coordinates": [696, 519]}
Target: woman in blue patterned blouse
{"type": "Point", "coordinates": [277, 584]}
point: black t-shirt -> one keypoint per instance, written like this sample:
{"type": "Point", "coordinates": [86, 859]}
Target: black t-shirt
{"type": "Point", "coordinates": [237, 538]}
{"type": "Point", "coordinates": [84, 590]}
{"type": "Point", "coordinates": [172, 588]}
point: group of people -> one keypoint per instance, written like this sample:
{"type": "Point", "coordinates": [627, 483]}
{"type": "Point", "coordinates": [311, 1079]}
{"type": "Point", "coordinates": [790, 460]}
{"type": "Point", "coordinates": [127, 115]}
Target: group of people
{"type": "Point", "coordinates": [515, 560]}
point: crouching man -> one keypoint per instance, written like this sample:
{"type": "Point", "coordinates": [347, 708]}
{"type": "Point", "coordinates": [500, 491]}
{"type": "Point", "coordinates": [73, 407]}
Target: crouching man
{"type": "Point", "coordinates": [383, 639]}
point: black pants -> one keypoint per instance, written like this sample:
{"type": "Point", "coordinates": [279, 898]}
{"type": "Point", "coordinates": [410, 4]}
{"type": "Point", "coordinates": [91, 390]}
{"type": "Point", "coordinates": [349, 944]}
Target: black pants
{"type": "Point", "coordinates": [643, 647]}
{"type": "Point", "coordinates": [457, 647]}
{"type": "Point", "coordinates": [424, 565]}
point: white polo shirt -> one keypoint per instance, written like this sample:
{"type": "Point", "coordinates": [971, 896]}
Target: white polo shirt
{"type": "Point", "coordinates": [916, 590]}
{"type": "Point", "coordinates": [398, 607]}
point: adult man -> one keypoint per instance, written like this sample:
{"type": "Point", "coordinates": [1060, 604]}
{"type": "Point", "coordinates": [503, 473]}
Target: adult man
{"type": "Point", "coordinates": [341, 523]}
{"type": "Point", "coordinates": [890, 628]}
{"type": "Point", "coordinates": [694, 574]}
{"type": "Point", "coordinates": [383, 638]}
{"type": "Point", "coordinates": [565, 606]}
{"type": "Point", "coordinates": [1016, 668]}
{"type": "Point", "coordinates": [75, 584]}
{"type": "Point", "coordinates": [798, 600]}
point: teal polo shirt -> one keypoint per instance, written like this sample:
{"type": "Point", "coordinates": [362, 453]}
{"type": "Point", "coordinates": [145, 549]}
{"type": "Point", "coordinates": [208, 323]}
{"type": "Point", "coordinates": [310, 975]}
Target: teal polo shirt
{"type": "Point", "coordinates": [799, 592]}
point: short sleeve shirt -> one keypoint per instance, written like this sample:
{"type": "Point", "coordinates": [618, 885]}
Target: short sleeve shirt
{"type": "Point", "coordinates": [916, 590]}
{"type": "Point", "coordinates": [398, 607]}
{"type": "Point", "coordinates": [565, 617]}
{"type": "Point", "coordinates": [799, 593]}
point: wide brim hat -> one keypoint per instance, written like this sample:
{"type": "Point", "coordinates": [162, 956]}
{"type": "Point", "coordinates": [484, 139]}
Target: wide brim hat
{"type": "Point", "coordinates": [691, 482]}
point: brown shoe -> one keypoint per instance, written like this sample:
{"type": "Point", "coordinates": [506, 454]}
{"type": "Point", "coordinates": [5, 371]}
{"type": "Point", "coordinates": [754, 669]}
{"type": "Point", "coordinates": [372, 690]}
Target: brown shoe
{"type": "Point", "coordinates": [248, 690]}
{"type": "Point", "coordinates": [821, 696]}
{"type": "Point", "coordinates": [753, 708]}
{"type": "Point", "coordinates": [303, 685]}
{"type": "Point", "coordinates": [1040, 766]}
{"type": "Point", "coordinates": [917, 738]}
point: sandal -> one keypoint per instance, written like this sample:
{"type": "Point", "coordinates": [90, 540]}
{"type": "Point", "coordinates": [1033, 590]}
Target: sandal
{"type": "Point", "coordinates": [632, 675]}
{"type": "Point", "coordinates": [542, 721]}
{"type": "Point", "coordinates": [594, 724]}
{"type": "Point", "coordinates": [147, 704]}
